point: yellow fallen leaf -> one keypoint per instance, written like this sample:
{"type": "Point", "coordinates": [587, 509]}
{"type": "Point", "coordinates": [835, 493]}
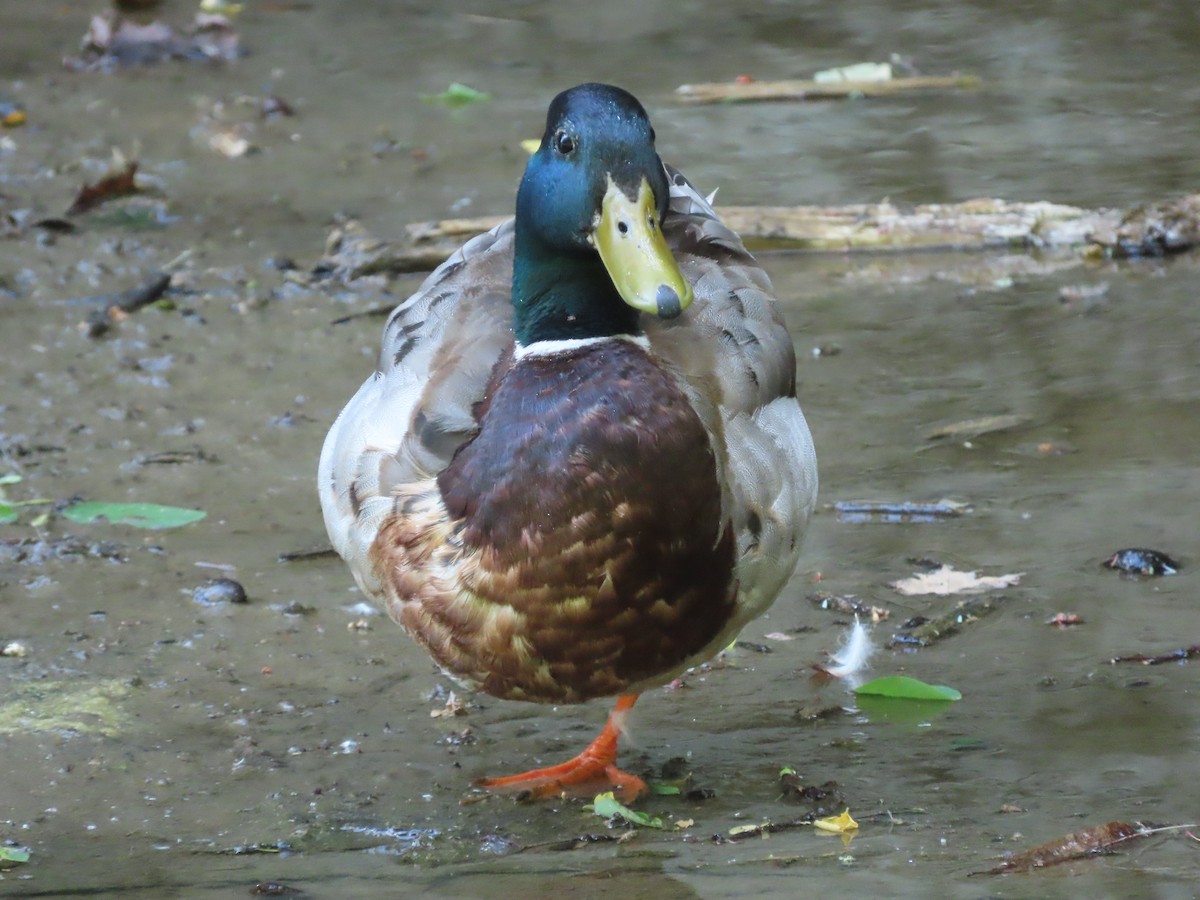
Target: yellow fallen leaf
{"type": "Point", "coordinates": [530, 145]}
{"type": "Point", "coordinates": [681, 824]}
{"type": "Point", "coordinates": [837, 824]}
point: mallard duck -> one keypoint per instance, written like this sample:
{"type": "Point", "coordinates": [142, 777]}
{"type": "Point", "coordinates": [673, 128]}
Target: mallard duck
{"type": "Point", "coordinates": [579, 467]}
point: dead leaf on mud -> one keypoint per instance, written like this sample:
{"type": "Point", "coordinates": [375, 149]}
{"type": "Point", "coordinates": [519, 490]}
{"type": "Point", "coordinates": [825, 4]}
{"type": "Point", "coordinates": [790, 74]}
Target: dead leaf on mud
{"type": "Point", "coordinates": [1084, 844]}
{"type": "Point", "coordinates": [121, 181]}
{"type": "Point", "coordinates": [948, 580]}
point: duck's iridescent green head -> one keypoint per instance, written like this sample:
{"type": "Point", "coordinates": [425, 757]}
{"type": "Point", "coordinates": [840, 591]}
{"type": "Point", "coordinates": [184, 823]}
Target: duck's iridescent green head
{"type": "Point", "coordinates": [590, 253]}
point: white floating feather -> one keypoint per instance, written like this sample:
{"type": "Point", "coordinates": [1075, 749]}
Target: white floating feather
{"type": "Point", "coordinates": [854, 654]}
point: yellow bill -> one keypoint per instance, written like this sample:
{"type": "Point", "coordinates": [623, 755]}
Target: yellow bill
{"type": "Point", "coordinates": [630, 241]}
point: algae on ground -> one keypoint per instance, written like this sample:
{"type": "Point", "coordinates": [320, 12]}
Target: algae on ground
{"type": "Point", "coordinates": [83, 707]}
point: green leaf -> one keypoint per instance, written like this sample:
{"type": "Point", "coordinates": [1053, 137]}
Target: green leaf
{"type": "Point", "coordinates": [13, 855]}
{"type": "Point", "coordinates": [904, 688]}
{"type": "Point", "coordinates": [10, 478]}
{"type": "Point", "coordinates": [8, 513]}
{"type": "Point", "coordinates": [140, 515]}
{"type": "Point", "coordinates": [457, 95]}
{"type": "Point", "coordinates": [607, 805]}
{"type": "Point", "coordinates": [665, 790]}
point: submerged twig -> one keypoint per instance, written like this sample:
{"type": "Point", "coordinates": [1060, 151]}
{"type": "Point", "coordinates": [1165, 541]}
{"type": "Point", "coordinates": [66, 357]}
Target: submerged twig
{"type": "Point", "coordinates": [962, 613]}
{"type": "Point", "coordinates": [1174, 656]}
{"type": "Point", "coordinates": [114, 307]}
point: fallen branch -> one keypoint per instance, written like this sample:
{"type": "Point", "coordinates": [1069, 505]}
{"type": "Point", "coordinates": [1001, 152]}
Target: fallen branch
{"type": "Point", "coordinates": [1156, 229]}
{"type": "Point", "coordinates": [795, 89]}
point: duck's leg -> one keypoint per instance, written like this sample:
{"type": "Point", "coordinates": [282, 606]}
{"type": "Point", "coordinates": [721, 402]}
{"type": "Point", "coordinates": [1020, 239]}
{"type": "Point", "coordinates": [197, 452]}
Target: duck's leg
{"type": "Point", "coordinates": [593, 769]}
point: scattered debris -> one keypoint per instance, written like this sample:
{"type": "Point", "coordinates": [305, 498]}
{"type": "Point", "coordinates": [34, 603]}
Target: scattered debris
{"type": "Point", "coordinates": [849, 605]}
{"type": "Point", "coordinates": [115, 42]}
{"type": "Point", "coordinates": [274, 889]}
{"type": "Point", "coordinates": [1133, 561]}
{"type": "Point", "coordinates": [1064, 620]}
{"type": "Point", "coordinates": [948, 580]}
{"type": "Point", "coordinates": [15, 649]}
{"type": "Point", "coordinates": [752, 647]}
{"type": "Point", "coordinates": [824, 798]}
{"type": "Point", "coordinates": [1184, 653]}
{"type": "Point", "coordinates": [38, 551]}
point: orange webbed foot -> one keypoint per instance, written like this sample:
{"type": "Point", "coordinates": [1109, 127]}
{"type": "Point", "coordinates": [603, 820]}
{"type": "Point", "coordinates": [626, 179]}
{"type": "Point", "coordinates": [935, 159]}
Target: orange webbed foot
{"type": "Point", "coordinates": [592, 771]}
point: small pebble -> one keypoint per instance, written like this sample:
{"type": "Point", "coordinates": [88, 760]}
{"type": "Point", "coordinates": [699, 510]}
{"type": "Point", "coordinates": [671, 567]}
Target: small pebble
{"type": "Point", "coordinates": [219, 591]}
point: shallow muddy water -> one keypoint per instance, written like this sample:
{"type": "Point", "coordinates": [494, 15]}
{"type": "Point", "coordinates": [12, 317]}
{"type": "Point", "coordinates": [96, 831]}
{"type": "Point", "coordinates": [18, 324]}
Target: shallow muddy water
{"type": "Point", "coordinates": [144, 737]}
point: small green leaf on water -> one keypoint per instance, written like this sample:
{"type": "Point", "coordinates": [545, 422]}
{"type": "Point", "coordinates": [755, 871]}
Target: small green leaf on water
{"type": "Point", "coordinates": [665, 790]}
{"type": "Point", "coordinates": [140, 515]}
{"type": "Point", "coordinates": [607, 805]}
{"type": "Point", "coordinates": [8, 513]}
{"type": "Point", "coordinates": [457, 95]}
{"type": "Point", "coordinates": [905, 688]}
{"type": "Point", "coordinates": [10, 478]}
{"type": "Point", "coordinates": [13, 855]}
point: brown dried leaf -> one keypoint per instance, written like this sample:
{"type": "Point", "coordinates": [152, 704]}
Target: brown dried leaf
{"type": "Point", "coordinates": [120, 183]}
{"type": "Point", "coordinates": [1077, 845]}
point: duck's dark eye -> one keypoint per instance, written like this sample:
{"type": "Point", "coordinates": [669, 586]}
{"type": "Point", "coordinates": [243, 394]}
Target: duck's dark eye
{"type": "Point", "coordinates": [564, 143]}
